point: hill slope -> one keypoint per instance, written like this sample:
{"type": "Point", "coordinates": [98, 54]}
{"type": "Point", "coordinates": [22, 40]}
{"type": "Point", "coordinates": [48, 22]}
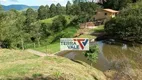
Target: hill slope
{"type": "Point", "coordinates": [15, 64]}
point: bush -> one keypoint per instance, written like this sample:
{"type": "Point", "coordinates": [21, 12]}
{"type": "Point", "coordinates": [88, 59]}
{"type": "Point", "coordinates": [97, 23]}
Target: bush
{"type": "Point", "coordinates": [92, 54]}
{"type": "Point", "coordinates": [59, 24]}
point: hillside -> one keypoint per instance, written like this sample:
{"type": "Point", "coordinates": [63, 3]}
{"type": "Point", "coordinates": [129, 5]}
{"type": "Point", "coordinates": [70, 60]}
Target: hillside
{"type": "Point", "coordinates": [15, 64]}
{"type": "Point", "coordinates": [18, 7]}
{"type": "Point", "coordinates": [50, 20]}
{"type": "Point", "coordinates": [51, 44]}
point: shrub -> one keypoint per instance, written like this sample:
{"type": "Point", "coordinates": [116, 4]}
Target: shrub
{"type": "Point", "coordinates": [59, 24]}
{"type": "Point", "coordinates": [92, 54]}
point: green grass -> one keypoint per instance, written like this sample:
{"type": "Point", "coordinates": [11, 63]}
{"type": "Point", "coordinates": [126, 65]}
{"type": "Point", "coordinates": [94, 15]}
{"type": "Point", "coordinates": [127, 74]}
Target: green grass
{"type": "Point", "coordinates": [87, 36]}
{"type": "Point", "coordinates": [40, 68]}
{"type": "Point", "coordinates": [99, 29]}
{"type": "Point", "coordinates": [50, 48]}
{"type": "Point", "coordinates": [50, 20]}
{"type": "Point", "coordinates": [13, 55]}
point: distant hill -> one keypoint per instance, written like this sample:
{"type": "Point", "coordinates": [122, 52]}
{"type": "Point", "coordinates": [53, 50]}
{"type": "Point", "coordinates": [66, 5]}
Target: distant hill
{"type": "Point", "coordinates": [18, 7]}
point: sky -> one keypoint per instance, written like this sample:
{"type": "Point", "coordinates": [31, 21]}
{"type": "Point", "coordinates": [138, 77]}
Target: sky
{"type": "Point", "coordinates": [33, 2]}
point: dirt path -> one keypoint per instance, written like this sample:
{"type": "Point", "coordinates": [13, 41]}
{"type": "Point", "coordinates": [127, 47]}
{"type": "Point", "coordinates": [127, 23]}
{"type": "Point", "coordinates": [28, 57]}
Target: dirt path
{"type": "Point", "coordinates": [41, 54]}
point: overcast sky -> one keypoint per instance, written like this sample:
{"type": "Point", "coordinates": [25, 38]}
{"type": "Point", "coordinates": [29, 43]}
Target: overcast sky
{"type": "Point", "coordinates": [33, 2]}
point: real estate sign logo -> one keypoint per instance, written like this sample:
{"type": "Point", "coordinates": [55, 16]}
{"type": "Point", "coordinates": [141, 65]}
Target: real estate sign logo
{"type": "Point", "coordinates": [74, 44]}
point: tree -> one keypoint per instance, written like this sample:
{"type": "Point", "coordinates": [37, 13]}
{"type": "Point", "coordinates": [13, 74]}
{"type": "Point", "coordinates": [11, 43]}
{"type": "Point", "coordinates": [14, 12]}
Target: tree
{"type": "Point", "coordinates": [42, 11]}
{"type": "Point", "coordinates": [68, 7]}
{"type": "Point", "coordinates": [45, 30]}
{"type": "Point", "coordinates": [20, 26]}
{"type": "Point", "coordinates": [53, 11]}
{"type": "Point", "coordinates": [92, 54]}
{"type": "Point", "coordinates": [59, 24]}
{"type": "Point", "coordinates": [116, 4]}
{"type": "Point", "coordinates": [59, 9]}
{"type": "Point", "coordinates": [84, 11]}
{"type": "Point", "coordinates": [47, 11]}
{"type": "Point", "coordinates": [75, 10]}
{"type": "Point", "coordinates": [31, 16]}
{"type": "Point", "coordinates": [11, 31]}
{"type": "Point", "coordinates": [3, 26]}
{"type": "Point", "coordinates": [36, 32]}
{"type": "Point", "coordinates": [127, 25]}
{"type": "Point", "coordinates": [89, 8]}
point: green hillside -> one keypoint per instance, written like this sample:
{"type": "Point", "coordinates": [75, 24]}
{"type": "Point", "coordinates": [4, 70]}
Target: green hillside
{"type": "Point", "coordinates": [51, 44]}
{"type": "Point", "coordinates": [15, 65]}
{"type": "Point", "coordinates": [50, 20]}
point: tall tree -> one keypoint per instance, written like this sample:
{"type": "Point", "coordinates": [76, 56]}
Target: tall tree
{"type": "Point", "coordinates": [116, 4]}
{"type": "Point", "coordinates": [68, 7]}
{"type": "Point", "coordinates": [53, 11]}
{"type": "Point", "coordinates": [75, 10]}
{"type": "Point", "coordinates": [59, 9]}
{"type": "Point", "coordinates": [47, 11]}
{"type": "Point", "coordinates": [20, 26]}
{"type": "Point", "coordinates": [36, 32]}
{"type": "Point", "coordinates": [59, 24]}
{"type": "Point", "coordinates": [42, 12]}
{"type": "Point", "coordinates": [31, 16]}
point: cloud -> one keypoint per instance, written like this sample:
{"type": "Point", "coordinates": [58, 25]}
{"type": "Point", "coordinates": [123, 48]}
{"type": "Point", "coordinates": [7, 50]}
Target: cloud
{"type": "Point", "coordinates": [9, 0]}
{"type": "Point", "coordinates": [3, 0]}
{"type": "Point", "coordinates": [13, 0]}
{"type": "Point", "coordinates": [57, 0]}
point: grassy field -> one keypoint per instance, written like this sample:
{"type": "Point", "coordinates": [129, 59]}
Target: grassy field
{"type": "Point", "coordinates": [99, 29]}
{"type": "Point", "coordinates": [87, 36]}
{"type": "Point", "coordinates": [50, 20]}
{"type": "Point", "coordinates": [17, 65]}
{"type": "Point", "coordinates": [50, 49]}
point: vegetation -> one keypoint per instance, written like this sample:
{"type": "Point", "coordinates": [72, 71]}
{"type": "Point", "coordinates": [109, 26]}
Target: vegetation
{"type": "Point", "coordinates": [127, 25]}
{"type": "Point", "coordinates": [92, 54]}
{"type": "Point", "coordinates": [116, 4]}
{"type": "Point", "coordinates": [39, 27]}
{"type": "Point", "coordinates": [99, 29]}
{"type": "Point", "coordinates": [14, 65]}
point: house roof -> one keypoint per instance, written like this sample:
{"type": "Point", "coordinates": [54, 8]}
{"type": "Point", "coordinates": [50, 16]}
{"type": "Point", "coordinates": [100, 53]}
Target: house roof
{"type": "Point", "coordinates": [111, 10]}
